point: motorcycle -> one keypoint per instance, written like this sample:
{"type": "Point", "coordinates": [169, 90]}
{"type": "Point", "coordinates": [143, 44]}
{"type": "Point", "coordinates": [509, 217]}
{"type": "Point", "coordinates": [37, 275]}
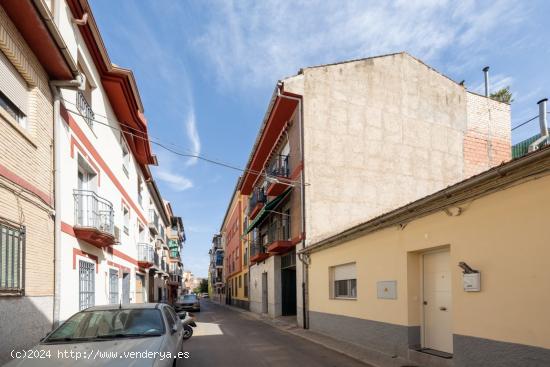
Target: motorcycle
{"type": "Point", "coordinates": [188, 322]}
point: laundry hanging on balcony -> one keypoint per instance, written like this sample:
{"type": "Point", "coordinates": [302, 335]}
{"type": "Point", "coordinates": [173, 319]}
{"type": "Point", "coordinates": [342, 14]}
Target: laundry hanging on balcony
{"type": "Point", "coordinates": [264, 212]}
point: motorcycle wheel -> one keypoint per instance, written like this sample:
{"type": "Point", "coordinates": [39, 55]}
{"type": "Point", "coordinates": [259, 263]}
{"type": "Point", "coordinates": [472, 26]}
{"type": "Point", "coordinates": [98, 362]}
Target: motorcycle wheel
{"type": "Point", "coordinates": [187, 332]}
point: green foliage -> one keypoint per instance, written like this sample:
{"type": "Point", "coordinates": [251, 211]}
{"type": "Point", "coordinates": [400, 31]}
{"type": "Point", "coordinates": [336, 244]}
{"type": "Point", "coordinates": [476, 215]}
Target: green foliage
{"type": "Point", "coordinates": [503, 95]}
{"type": "Point", "coordinates": [202, 288]}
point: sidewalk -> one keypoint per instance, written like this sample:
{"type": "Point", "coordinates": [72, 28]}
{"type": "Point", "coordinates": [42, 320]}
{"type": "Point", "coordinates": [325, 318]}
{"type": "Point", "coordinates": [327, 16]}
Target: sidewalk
{"type": "Point", "coordinates": [370, 357]}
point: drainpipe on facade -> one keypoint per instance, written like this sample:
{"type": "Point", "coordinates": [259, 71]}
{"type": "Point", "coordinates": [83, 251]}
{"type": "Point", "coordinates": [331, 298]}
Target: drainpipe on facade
{"type": "Point", "coordinates": [302, 258]}
{"type": "Point", "coordinates": [54, 86]}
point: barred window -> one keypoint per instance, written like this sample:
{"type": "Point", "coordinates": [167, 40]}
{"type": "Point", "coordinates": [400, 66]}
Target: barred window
{"type": "Point", "coordinates": [12, 241]}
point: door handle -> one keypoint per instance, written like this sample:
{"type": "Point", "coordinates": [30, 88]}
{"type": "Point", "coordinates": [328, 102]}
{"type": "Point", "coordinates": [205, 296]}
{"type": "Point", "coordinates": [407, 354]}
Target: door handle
{"type": "Point", "coordinates": [443, 308]}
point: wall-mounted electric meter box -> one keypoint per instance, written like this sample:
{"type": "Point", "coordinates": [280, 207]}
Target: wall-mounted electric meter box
{"type": "Point", "coordinates": [472, 282]}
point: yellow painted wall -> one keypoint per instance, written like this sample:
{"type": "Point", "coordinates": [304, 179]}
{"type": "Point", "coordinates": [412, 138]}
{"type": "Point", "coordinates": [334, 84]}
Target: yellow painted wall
{"type": "Point", "coordinates": [504, 235]}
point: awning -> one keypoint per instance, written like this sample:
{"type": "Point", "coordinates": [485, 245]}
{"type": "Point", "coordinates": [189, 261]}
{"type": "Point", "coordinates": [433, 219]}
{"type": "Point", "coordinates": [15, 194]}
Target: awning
{"type": "Point", "coordinates": [265, 211]}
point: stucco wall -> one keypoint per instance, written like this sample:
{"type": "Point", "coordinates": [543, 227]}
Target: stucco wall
{"type": "Point", "coordinates": [379, 133]}
{"type": "Point", "coordinates": [272, 266]}
{"type": "Point", "coordinates": [502, 235]}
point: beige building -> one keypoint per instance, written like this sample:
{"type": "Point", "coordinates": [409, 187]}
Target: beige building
{"type": "Point", "coordinates": [457, 278]}
{"type": "Point", "coordinates": [31, 55]}
{"type": "Point", "coordinates": [343, 143]}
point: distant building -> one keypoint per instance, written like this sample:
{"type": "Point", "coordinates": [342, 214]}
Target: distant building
{"type": "Point", "coordinates": [216, 268]}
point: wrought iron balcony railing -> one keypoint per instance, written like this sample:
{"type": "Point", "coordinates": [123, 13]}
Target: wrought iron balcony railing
{"type": "Point", "coordinates": [85, 109]}
{"type": "Point", "coordinates": [257, 196]}
{"type": "Point", "coordinates": [145, 253]}
{"type": "Point", "coordinates": [279, 166]}
{"type": "Point", "coordinates": [93, 211]}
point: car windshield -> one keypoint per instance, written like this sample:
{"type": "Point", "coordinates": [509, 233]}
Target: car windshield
{"type": "Point", "coordinates": [188, 298]}
{"type": "Point", "coordinates": [106, 324]}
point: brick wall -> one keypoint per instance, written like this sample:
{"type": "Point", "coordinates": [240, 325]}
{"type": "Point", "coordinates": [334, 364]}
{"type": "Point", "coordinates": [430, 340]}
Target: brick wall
{"type": "Point", "coordinates": [487, 139]}
{"type": "Point", "coordinates": [27, 153]}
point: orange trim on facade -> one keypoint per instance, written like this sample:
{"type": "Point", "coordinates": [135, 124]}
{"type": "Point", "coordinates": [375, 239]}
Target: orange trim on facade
{"type": "Point", "coordinates": [121, 268]}
{"type": "Point", "coordinates": [68, 229]}
{"type": "Point", "coordinates": [87, 255]}
{"type": "Point", "coordinates": [74, 143]}
{"type": "Point", "coordinates": [122, 255]}
{"type": "Point", "coordinates": [20, 181]}
{"type": "Point", "coordinates": [69, 120]}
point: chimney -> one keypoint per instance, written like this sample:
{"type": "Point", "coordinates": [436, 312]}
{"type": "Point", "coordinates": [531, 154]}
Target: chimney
{"type": "Point", "coordinates": [486, 75]}
{"type": "Point", "coordinates": [543, 127]}
{"type": "Point", "coordinates": [542, 117]}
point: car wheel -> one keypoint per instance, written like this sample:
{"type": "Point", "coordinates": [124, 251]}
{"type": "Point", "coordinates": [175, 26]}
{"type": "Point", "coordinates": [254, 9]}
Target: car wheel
{"type": "Point", "coordinates": [187, 332]}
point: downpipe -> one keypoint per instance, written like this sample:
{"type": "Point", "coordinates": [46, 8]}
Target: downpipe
{"type": "Point", "coordinates": [304, 259]}
{"type": "Point", "coordinates": [55, 85]}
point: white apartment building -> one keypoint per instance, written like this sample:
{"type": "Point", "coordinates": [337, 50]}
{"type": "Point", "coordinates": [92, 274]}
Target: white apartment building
{"type": "Point", "coordinates": [108, 202]}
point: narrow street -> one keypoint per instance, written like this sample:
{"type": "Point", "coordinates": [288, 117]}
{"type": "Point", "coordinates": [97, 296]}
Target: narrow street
{"type": "Point", "coordinates": [228, 338]}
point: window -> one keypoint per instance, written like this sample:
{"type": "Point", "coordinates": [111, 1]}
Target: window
{"type": "Point", "coordinates": [286, 225]}
{"type": "Point", "coordinates": [169, 318]}
{"type": "Point", "coordinates": [126, 214]}
{"type": "Point", "coordinates": [240, 282]}
{"type": "Point", "coordinates": [113, 286]}
{"type": "Point", "coordinates": [344, 281]}
{"type": "Point", "coordinates": [125, 157]}
{"type": "Point", "coordinates": [87, 284]}
{"type": "Point", "coordinates": [11, 258]}
{"type": "Point", "coordinates": [14, 93]}
{"type": "Point", "coordinates": [139, 192]}
{"type": "Point", "coordinates": [12, 110]}
{"type": "Point", "coordinates": [84, 98]}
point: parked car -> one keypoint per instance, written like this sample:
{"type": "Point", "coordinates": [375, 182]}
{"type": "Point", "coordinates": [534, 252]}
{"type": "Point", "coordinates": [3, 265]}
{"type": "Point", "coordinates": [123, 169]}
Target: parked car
{"type": "Point", "coordinates": [187, 302]}
{"type": "Point", "coordinates": [112, 329]}
{"type": "Point", "coordinates": [204, 295]}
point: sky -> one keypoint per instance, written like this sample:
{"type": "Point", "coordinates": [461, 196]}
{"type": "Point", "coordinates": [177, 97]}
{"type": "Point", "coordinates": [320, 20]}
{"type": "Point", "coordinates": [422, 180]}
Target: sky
{"type": "Point", "coordinates": [206, 70]}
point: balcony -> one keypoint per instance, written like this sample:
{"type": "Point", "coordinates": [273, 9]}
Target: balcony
{"type": "Point", "coordinates": [153, 221]}
{"type": "Point", "coordinates": [85, 109]}
{"type": "Point", "coordinates": [94, 218]}
{"type": "Point", "coordinates": [279, 237]}
{"type": "Point", "coordinates": [257, 253]}
{"type": "Point", "coordinates": [156, 260]}
{"type": "Point", "coordinates": [145, 255]}
{"type": "Point", "coordinates": [278, 173]}
{"type": "Point", "coordinates": [256, 202]}
{"type": "Point", "coordinates": [219, 259]}
{"type": "Point", "coordinates": [174, 254]}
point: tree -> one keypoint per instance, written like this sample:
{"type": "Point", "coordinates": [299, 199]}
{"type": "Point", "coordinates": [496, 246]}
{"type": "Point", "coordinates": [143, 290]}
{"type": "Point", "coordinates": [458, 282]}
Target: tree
{"type": "Point", "coordinates": [503, 95]}
{"type": "Point", "coordinates": [202, 288]}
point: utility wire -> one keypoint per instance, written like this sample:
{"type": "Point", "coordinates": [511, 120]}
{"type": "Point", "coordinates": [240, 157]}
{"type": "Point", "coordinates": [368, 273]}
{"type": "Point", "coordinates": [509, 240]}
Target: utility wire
{"type": "Point", "coordinates": [525, 122]}
{"type": "Point", "coordinates": [288, 182]}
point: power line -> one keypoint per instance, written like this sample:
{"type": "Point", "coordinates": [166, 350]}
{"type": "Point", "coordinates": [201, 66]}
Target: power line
{"type": "Point", "coordinates": [525, 122]}
{"type": "Point", "coordinates": [288, 182]}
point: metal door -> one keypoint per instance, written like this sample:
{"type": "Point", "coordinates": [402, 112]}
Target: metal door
{"type": "Point", "coordinates": [437, 325]}
{"type": "Point", "coordinates": [86, 290]}
{"type": "Point", "coordinates": [264, 293]}
{"type": "Point", "coordinates": [126, 288]}
{"type": "Point", "coordinates": [113, 286]}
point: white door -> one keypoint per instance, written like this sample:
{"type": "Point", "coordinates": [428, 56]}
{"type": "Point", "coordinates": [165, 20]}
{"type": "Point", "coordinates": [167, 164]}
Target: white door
{"type": "Point", "coordinates": [437, 328]}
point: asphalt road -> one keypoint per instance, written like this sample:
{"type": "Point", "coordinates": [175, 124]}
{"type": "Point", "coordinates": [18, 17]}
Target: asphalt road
{"type": "Point", "coordinates": [228, 338]}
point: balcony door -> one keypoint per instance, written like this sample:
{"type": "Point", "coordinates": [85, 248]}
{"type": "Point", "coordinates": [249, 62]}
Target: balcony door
{"type": "Point", "coordinates": [85, 200]}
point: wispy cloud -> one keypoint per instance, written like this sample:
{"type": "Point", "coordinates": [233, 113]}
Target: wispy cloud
{"type": "Point", "coordinates": [167, 173]}
{"type": "Point", "coordinates": [193, 136]}
{"type": "Point", "coordinates": [254, 42]}
{"type": "Point", "coordinates": [170, 71]}
{"type": "Point", "coordinates": [176, 182]}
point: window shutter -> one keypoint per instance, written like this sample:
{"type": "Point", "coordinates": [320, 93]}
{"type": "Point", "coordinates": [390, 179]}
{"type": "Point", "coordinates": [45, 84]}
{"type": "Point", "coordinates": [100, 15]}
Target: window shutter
{"type": "Point", "coordinates": [12, 84]}
{"type": "Point", "coordinates": [343, 272]}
